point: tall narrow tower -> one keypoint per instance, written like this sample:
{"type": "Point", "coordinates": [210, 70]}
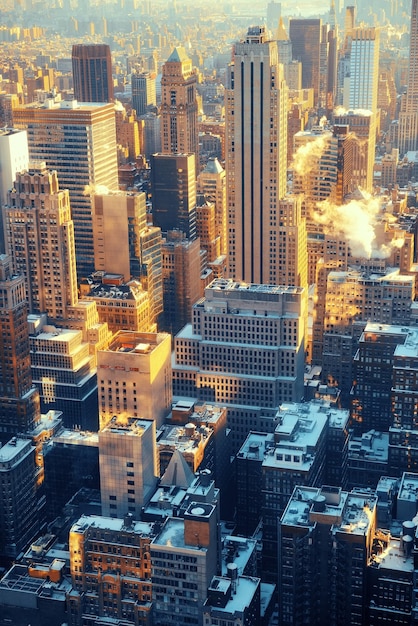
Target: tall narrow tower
{"type": "Point", "coordinates": [179, 128]}
{"type": "Point", "coordinates": [305, 35]}
{"type": "Point", "coordinates": [40, 238]}
{"type": "Point", "coordinates": [361, 90]}
{"type": "Point", "coordinates": [256, 155]}
{"type": "Point", "coordinates": [92, 73]}
{"type": "Point", "coordinates": [408, 118]}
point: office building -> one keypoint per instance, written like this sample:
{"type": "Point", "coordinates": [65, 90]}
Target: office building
{"type": "Point", "coordinates": [40, 238]}
{"type": "Point", "coordinates": [143, 92]}
{"type": "Point", "coordinates": [173, 184]}
{"type": "Point", "coordinates": [351, 299]}
{"type": "Point", "coordinates": [184, 557]}
{"type": "Point", "coordinates": [71, 463]}
{"type": "Point", "coordinates": [182, 270]}
{"type": "Point", "coordinates": [122, 306]}
{"type": "Point", "coordinates": [128, 465]}
{"type": "Point", "coordinates": [179, 109]}
{"type": "Point", "coordinates": [79, 142]}
{"type": "Point", "coordinates": [19, 399]}
{"type": "Point", "coordinates": [121, 217]}
{"type": "Point", "coordinates": [274, 11]}
{"type": "Point", "coordinates": [269, 466]}
{"type": "Point", "coordinates": [245, 350]}
{"type": "Point", "coordinates": [92, 73]}
{"type": "Point", "coordinates": [134, 377]}
{"type": "Point", "coordinates": [19, 518]}
{"type": "Point", "coordinates": [325, 544]}
{"type": "Point", "coordinates": [64, 372]}
{"type": "Point", "coordinates": [408, 116]}
{"type": "Point", "coordinates": [305, 35]}
{"type": "Point", "coordinates": [360, 89]}
{"type": "Point", "coordinates": [362, 124]}
{"type": "Point", "coordinates": [256, 156]}
{"type": "Point", "coordinates": [110, 570]}
{"type": "Point", "coordinates": [367, 459]}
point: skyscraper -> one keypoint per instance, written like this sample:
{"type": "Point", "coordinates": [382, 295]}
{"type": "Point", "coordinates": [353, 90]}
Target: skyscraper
{"type": "Point", "coordinates": [305, 35]}
{"type": "Point", "coordinates": [143, 92]}
{"type": "Point", "coordinates": [256, 154]}
{"type": "Point", "coordinates": [124, 244]}
{"type": "Point", "coordinates": [173, 183]}
{"type": "Point", "coordinates": [179, 128]}
{"type": "Point", "coordinates": [40, 239]}
{"type": "Point", "coordinates": [79, 142]}
{"type": "Point", "coordinates": [360, 88]}
{"type": "Point", "coordinates": [245, 350]}
{"type": "Point", "coordinates": [408, 117]}
{"type": "Point", "coordinates": [92, 73]}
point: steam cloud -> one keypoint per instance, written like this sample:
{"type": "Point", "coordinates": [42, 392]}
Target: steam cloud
{"type": "Point", "coordinates": [96, 190]}
{"type": "Point", "coordinates": [355, 222]}
{"type": "Point", "coordinates": [307, 155]}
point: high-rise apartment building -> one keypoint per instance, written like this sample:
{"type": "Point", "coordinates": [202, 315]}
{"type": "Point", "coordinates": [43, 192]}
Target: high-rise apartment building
{"type": "Point", "coordinates": [19, 400]}
{"type": "Point", "coordinates": [173, 183]}
{"type": "Point", "coordinates": [40, 238]}
{"type": "Point", "coordinates": [360, 90]}
{"type": "Point", "coordinates": [144, 92]}
{"type": "Point", "coordinates": [408, 116]}
{"type": "Point", "coordinates": [305, 35]}
{"type": "Point", "coordinates": [134, 377]}
{"type": "Point", "coordinates": [128, 466]}
{"type": "Point", "coordinates": [92, 73]}
{"type": "Point", "coordinates": [245, 350]}
{"type": "Point", "coordinates": [79, 142]}
{"type": "Point", "coordinates": [256, 156]}
{"type": "Point", "coordinates": [179, 110]}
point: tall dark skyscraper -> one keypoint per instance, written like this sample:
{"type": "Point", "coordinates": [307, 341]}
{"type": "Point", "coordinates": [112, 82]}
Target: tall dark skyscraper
{"type": "Point", "coordinates": [173, 182]}
{"type": "Point", "coordinates": [305, 35]}
{"type": "Point", "coordinates": [92, 73]}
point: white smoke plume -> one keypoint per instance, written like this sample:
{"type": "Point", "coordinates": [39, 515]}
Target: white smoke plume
{"type": "Point", "coordinates": [340, 110]}
{"type": "Point", "coordinates": [307, 155]}
{"type": "Point", "coordinates": [356, 223]}
{"type": "Point", "coordinates": [96, 190]}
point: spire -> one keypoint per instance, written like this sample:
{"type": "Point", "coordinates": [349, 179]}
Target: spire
{"type": "Point", "coordinates": [281, 34]}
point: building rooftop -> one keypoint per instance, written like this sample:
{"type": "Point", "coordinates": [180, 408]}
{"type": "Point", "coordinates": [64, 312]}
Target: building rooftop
{"type": "Point", "coordinates": [346, 512]}
{"type": "Point", "coordinates": [127, 426]}
{"type": "Point", "coordinates": [13, 451]}
{"type": "Point", "coordinates": [373, 446]}
{"type": "Point", "coordinates": [137, 343]}
{"type": "Point", "coordinates": [114, 524]}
